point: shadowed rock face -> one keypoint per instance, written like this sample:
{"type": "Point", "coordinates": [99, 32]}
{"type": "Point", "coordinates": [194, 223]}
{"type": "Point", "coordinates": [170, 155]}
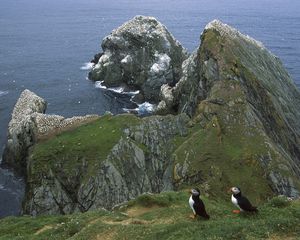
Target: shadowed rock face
{"type": "Point", "coordinates": [140, 55]}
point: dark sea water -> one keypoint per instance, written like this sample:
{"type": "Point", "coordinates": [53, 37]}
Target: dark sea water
{"type": "Point", "coordinates": [44, 44]}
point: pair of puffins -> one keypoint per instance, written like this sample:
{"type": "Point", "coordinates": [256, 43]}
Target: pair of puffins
{"type": "Point", "coordinates": [237, 199]}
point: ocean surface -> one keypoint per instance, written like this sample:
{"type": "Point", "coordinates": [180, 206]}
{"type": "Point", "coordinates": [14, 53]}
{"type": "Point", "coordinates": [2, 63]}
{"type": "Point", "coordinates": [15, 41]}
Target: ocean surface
{"type": "Point", "coordinates": [45, 45]}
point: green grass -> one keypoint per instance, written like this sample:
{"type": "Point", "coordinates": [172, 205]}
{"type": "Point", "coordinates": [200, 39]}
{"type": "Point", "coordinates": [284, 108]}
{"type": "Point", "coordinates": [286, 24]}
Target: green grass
{"type": "Point", "coordinates": [85, 147]}
{"type": "Point", "coordinates": [220, 159]}
{"type": "Point", "coordinates": [165, 199]}
{"type": "Point", "coordinates": [162, 216]}
{"type": "Point", "coordinates": [242, 152]}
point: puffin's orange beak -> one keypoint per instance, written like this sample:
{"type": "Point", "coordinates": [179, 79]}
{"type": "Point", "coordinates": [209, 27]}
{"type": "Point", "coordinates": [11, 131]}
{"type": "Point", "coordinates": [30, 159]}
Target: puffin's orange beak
{"type": "Point", "coordinates": [229, 190]}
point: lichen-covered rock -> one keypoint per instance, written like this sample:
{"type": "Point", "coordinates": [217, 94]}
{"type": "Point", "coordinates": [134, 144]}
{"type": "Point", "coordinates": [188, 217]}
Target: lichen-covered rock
{"type": "Point", "coordinates": [141, 54]}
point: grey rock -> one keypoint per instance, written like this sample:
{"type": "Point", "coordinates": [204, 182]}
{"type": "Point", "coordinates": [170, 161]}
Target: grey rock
{"type": "Point", "coordinates": [189, 90]}
{"type": "Point", "coordinates": [21, 130]}
{"type": "Point", "coordinates": [283, 185]}
{"type": "Point", "coordinates": [140, 162]}
{"type": "Point", "coordinates": [141, 54]}
{"type": "Point", "coordinates": [252, 88]}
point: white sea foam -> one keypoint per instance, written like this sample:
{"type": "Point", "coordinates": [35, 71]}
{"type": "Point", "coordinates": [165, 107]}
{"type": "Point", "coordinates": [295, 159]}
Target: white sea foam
{"type": "Point", "coordinates": [98, 84]}
{"type": "Point", "coordinates": [117, 89]}
{"type": "Point", "coordinates": [2, 93]}
{"type": "Point", "coordinates": [87, 66]}
{"type": "Point", "coordinates": [142, 109]}
{"type": "Point", "coordinates": [132, 93]}
{"type": "Point", "coordinates": [146, 107]}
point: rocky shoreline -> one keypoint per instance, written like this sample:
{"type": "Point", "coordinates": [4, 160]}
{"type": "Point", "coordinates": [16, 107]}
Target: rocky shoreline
{"type": "Point", "coordinates": [227, 113]}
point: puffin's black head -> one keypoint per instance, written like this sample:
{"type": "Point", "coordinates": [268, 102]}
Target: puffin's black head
{"type": "Point", "coordinates": [195, 192]}
{"type": "Point", "coordinates": [235, 190]}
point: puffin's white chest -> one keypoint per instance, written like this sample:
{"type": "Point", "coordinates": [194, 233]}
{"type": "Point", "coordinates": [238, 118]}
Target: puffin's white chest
{"type": "Point", "coordinates": [191, 203]}
{"type": "Point", "coordinates": [235, 202]}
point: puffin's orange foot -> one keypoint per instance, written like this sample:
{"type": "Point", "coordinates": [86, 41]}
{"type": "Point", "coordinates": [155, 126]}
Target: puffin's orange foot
{"type": "Point", "coordinates": [236, 211]}
{"type": "Point", "coordinates": [193, 216]}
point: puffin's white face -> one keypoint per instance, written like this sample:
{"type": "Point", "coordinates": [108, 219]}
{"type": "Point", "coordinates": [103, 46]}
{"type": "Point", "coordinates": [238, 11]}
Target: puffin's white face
{"type": "Point", "coordinates": [195, 192]}
{"type": "Point", "coordinates": [235, 190]}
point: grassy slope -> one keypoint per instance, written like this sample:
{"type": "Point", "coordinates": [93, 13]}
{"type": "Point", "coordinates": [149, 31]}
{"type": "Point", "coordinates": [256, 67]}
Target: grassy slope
{"type": "Point", "coordinates": [222, 157]}
{"type": "Point", "coordinates": [162, 216]}
{"type": "Point", "coordinates": [251, 74]}
{"type": "Point", "coordinates": [232, 147]}
{"type": "Point", "coordinates": [87, 145]}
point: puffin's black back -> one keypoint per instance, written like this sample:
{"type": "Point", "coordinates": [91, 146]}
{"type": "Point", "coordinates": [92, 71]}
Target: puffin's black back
{"type": "Point", "coordinates": [199, 207]}
{"type": "Point", "coordinates": [244, 203]}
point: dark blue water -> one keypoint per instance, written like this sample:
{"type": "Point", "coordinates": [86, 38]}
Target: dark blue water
{"type": "Point", "coordinates": [44, 43]}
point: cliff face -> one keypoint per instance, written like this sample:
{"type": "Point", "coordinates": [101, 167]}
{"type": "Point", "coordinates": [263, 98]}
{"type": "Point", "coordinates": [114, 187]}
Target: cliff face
{"type": "Point", "coordinates": [236, 122]}
{"type": "Point", "coordinates": [141, 55]}
{"type": "Point", "coordinates": [243, 97]}
{"type": "Point", "coordinates": [104, 163]}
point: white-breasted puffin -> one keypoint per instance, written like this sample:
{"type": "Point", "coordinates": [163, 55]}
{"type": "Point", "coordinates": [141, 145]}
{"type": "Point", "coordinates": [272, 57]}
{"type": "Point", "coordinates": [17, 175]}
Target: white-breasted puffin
{"type": "Point", "coordinates": [240, 201]}
{"type": "Point", "coordinates": [196, 204]}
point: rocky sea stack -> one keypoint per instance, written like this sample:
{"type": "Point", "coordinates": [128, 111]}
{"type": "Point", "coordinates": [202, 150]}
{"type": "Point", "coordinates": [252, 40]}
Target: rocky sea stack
{"type": "Point", "coordinates": [227, 114]}
{"type": "Point", "coordinates": [140, 55]}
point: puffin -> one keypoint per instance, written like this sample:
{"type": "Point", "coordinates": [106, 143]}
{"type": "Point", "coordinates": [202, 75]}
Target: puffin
{"type": "Point", "coordinates": [197, 204]}
{"type": "Point", "coordinates": [240, 201]}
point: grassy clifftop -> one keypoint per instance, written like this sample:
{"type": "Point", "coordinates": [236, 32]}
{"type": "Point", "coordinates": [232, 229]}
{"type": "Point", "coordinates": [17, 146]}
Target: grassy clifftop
{"type": "Point", "coordinates": [85, 147]}
{"type": "Point", "coordinates": [162, 216]}
{"type": "Point", "coordinates": [117, 158]}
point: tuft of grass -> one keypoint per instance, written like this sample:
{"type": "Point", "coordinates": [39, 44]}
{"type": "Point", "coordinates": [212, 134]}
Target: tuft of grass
{"type": "Point", "coordinates": [279, 202]}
